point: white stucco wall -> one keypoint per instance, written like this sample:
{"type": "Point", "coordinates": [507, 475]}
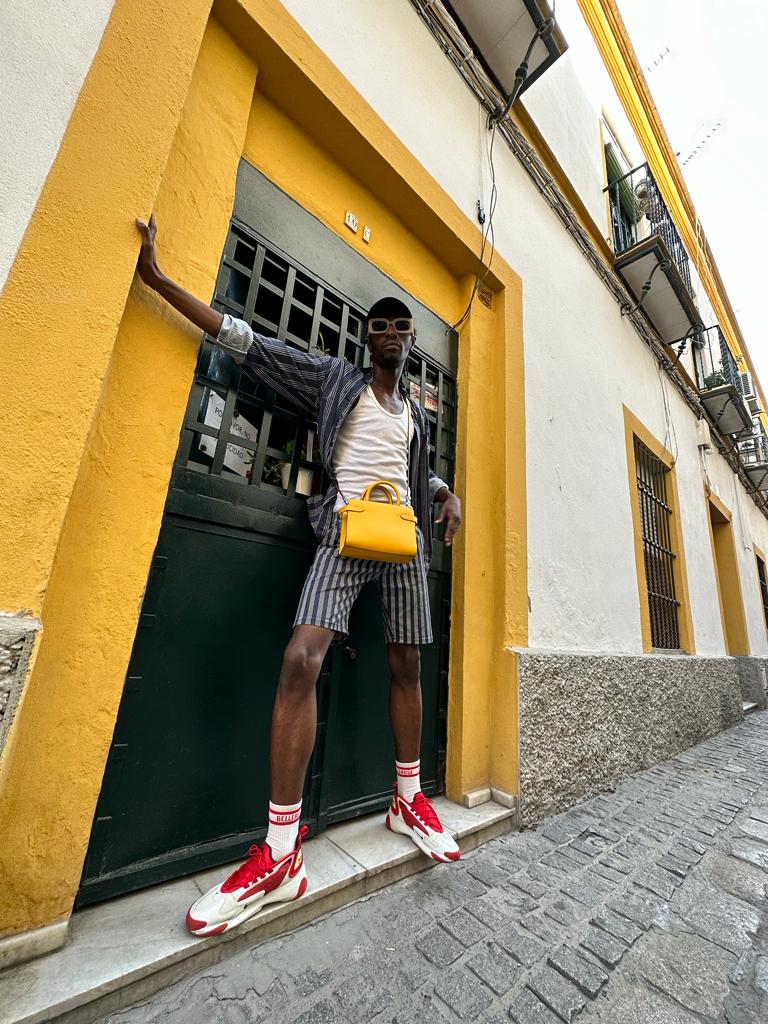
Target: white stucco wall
{"type": "Point", "coordinates": [583, 361]}
{"type": "Point", "coordinates": [45, 53]}
{"type": "Point", "coordinates": [570, 125]}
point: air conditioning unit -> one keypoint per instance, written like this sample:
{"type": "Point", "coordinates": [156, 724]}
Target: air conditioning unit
{"type": "Point", "coordinates": [746, 385]}
{"type": "Point", "coordinates": [748, 391]}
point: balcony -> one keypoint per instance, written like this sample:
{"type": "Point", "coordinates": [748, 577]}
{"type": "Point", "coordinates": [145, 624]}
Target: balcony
{"type": "Point", "coordinates": [753, 452]}
{"type": "Point", "coordinates": [649, 255]}
{"type": "Point", "coordinates": [726, 394]}
{"type": "Point", "coordinates": [499, 34]}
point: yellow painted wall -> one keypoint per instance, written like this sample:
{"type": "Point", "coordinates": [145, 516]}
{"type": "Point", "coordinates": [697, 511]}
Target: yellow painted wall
{"type": "Point", "coordinates": [54, 770]}
{"type": "Point", "coordinates": [62, 302]}
{"type": "Point", "coordinates": [490, 592]}
{"type": "Point", "coordinates": [473, 642]}
{"type": "Point", "coordinates": [511, 510]}
{"type": "Point", "coordinates": [53, 764]}
{"type": "Point", "coordinates": [304, 169]}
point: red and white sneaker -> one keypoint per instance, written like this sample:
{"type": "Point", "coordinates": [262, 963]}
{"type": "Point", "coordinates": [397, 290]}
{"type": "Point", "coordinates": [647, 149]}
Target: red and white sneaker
{"type": "Point", "coordinates": [257, 882]}
{"type": "Point", "coordinates": [418, 819]}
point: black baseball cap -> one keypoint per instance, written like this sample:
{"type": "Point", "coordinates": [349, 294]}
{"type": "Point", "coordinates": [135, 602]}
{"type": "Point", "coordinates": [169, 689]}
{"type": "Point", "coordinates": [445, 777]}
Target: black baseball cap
{"type": "Point", "coordinates": [389, 306]}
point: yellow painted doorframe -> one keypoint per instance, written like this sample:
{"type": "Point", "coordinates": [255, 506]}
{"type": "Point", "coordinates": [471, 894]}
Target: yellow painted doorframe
{"type": "Point", "coordinates": [759, 554]}
{"type": "Point", "coordinates": [729, 594]}
{"type": "Point", "coordinates": [62, 732]}
{"type": "Point", "coordinates": [62, 302]}
{"type": "Point", "coordinates": [92, 603]}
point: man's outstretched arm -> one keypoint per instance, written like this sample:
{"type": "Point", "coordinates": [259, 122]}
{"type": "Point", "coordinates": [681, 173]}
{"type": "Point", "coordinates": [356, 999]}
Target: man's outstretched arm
{"type": "Point", "coordinates": [200, 314]}
{"type": "Point", "coordinates": [295, 374]}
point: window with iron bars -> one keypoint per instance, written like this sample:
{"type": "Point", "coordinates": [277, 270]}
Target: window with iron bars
{"type": "Point", "coordinates": [659, 557]}
{"type": "Point", "coordinates": [763, 587]}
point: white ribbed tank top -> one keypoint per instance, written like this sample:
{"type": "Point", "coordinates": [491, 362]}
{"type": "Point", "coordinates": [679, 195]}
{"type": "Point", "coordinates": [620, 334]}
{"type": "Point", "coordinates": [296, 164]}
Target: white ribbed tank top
{"type": "Point", "coordinates": [372, 445]}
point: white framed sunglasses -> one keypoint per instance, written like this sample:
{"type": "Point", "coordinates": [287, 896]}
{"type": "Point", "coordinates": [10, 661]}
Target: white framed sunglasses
{"type": "Point", "coordinates": [380, 324]}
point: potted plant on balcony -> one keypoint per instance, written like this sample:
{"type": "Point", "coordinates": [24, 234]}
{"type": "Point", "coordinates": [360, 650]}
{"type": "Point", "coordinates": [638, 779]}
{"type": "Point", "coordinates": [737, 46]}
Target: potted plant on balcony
{"type": "Point", "coordinates": [714, 380]}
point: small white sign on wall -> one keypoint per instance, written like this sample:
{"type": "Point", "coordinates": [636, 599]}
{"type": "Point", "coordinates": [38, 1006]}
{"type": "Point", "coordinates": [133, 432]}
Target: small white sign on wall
{"type": "Point", "coordinates": [239, 460]}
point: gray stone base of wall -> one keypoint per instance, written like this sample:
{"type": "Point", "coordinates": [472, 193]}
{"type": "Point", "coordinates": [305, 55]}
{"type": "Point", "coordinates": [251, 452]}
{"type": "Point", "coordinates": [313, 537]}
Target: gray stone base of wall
{"type": "Point", "coordinates": [17, 638]}
{"type": "Point", "coordinates": [589, 719]}
{"type": "Point", "coordinates": [753, 680]}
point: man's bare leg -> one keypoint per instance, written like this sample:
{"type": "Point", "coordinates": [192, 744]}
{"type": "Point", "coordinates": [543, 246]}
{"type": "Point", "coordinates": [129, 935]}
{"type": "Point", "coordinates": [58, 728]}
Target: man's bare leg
{"type": "Point", "coordinates": [294, 723]}
{"type": "Point", "coordinates": [411, 813]}
{"type": "Point", "coordinates": [294, 718]}
{"type": "Point", "coordinates": [405, 700]}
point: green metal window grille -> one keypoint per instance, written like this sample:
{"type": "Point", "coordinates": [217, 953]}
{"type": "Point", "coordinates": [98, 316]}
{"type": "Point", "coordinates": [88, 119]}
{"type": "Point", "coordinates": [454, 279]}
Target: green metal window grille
{"type": "Point", "coordinates": [659, 557]}
{"type": "Point", "coordinates": [239, 430]}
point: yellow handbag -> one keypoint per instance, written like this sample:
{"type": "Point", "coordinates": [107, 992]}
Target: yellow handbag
{"type": "Point", "coordinates": [378, 531]}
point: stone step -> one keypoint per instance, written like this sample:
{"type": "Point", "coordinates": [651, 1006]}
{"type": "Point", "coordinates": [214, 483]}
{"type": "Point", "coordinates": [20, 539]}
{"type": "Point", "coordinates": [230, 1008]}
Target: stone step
{"type": "Point", "coordinates": [124, 950]}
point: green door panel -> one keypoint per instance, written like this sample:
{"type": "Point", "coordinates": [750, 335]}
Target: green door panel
{"type": "Point", "coordinates": [189, 762]}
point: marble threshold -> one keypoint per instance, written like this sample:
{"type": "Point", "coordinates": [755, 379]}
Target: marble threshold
{"type": "Point", "coordinates": [123, 950]}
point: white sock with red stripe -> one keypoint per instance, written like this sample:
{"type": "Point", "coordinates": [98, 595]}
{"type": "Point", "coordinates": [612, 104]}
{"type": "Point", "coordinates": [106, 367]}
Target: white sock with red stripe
{"type": "Point", "coordinates": [408, 779]}
{"type": "Point", "coordinates": [283, 828]}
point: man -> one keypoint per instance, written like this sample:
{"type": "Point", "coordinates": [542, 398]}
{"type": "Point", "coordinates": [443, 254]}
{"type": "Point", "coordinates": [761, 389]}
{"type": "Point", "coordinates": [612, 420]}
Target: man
{"type": "Point", "coordinates": [368, 429]}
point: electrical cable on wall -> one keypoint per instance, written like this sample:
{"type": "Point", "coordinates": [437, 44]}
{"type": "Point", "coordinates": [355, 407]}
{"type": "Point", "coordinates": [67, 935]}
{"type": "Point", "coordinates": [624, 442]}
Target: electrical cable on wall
{"type": "Point", "coordinates": [542, 31]}
{"type": "Point", "coordinates": [670, 434]}
{"type": "Point", "coordinates": [739, 515]}
{"type": "Point", "coordinates": [486, 233]}
{"type": "Point", "coordinates": [704, 470]}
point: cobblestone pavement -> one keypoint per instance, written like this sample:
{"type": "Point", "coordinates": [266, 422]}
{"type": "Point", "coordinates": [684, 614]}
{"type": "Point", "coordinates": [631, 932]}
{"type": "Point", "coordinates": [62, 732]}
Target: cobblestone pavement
{"type": "Point", "coordinates": [646, 904]}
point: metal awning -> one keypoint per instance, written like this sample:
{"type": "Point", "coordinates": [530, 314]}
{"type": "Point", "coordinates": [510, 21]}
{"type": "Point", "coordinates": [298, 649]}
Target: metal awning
{"type": "Point", "coordinates": [727, 408]}
{"type": "Point", "coordinates": [499, 33]}
{"type": "Point", "coordinates": [668, 304]}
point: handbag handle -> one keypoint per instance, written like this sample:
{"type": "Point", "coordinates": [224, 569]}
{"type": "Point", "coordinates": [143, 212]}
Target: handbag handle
{"type": "Point", "coordinates": [383, 485]}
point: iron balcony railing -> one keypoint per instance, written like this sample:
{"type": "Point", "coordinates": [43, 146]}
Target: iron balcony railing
{"type": "Point", "coordinates": [638, 212]}
{"type": "Point", "coordinates": [714, 361]}
{"type": "Point", "coordinates": [754, 450]}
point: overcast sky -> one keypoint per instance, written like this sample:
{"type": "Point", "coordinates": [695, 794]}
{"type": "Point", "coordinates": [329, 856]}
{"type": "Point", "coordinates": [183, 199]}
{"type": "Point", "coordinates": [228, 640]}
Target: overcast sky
{"type": "Point", "coordinates": [707, 68]}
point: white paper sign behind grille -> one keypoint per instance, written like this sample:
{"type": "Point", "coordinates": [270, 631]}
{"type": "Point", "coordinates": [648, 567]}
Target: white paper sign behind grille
{"type": "Point", "coordinates": [239, 460]}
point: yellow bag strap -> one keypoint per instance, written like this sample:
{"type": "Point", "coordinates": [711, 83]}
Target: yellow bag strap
{"type": "Point", "coordinates": [384, 485]}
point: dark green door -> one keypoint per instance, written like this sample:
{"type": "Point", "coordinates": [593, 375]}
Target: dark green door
{"type": "Point", "coordinates": [186, 784]}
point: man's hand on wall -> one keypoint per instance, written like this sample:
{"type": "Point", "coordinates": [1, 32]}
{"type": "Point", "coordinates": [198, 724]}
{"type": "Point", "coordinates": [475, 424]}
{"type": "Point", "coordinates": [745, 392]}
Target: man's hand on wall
{"type": "Point", "coordinates": [200, 314]}
{"type": "Point", "coordinates": [149, 271]}
{"type": "Point", "coordinates": [450, 513]}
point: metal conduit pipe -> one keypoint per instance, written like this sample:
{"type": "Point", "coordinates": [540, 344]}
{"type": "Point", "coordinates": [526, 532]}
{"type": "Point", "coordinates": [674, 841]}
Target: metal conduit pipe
{"type": "Point", "coordinates": [445, 32]}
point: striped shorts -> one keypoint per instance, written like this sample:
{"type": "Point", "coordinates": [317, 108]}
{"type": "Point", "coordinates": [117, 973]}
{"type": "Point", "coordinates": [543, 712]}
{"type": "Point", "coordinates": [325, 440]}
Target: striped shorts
{"type": "Point", "coordinates": [334, 583]}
